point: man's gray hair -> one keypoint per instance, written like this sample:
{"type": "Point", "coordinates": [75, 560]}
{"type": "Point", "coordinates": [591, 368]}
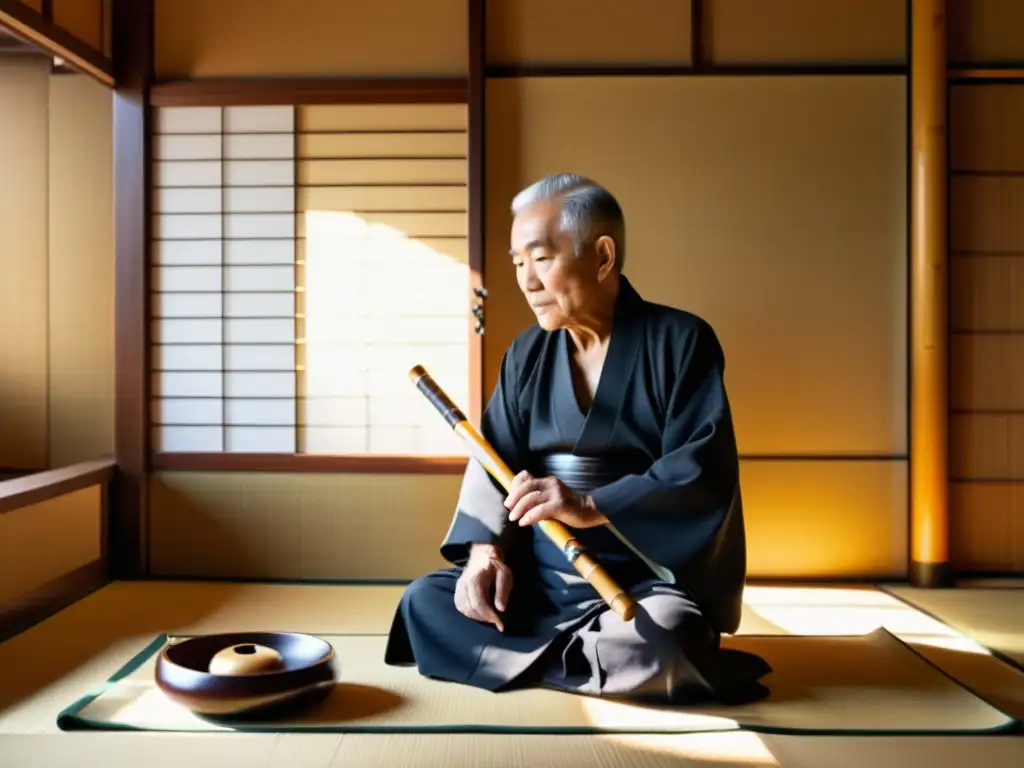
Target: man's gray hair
{"type": "Point", "coordinates": [588, 210]}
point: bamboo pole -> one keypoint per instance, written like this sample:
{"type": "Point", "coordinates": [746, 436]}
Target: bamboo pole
{"type": "Point", "coordinates": [929, 435]}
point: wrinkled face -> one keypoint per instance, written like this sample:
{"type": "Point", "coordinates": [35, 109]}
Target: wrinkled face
{"type": "Point", "coordinates": [560, 287]}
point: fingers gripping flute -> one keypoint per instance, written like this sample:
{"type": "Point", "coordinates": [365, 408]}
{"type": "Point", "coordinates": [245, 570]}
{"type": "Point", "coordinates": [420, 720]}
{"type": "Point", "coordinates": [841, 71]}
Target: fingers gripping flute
{"type": "Point", "coordinates": [617, 598]}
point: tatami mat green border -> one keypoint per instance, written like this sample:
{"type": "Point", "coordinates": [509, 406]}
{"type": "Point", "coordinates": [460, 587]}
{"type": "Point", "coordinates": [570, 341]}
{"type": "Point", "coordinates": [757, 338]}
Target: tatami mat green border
{"type": "Point", "coordinates": [70, 718]}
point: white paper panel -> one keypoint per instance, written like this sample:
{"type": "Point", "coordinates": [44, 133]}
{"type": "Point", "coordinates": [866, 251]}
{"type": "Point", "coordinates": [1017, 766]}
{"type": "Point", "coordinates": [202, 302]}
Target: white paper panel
{"type": "Point", "coordinates": [259, 200]}
{"type": "Point", "coordinates": [330, 377]}
{"type": "Point", "coordinates": [186, 252]}
{"type": "Point", "coordinates": [260, 385]}
{"type": "Point", "coordinates": [405, 408]}
{"type": "Point", "coordinates": [334, 440]}
{"type": "Point", "coordinates": [271, 146]}
{"type": "Point", "coordinates": [187, 279]}
{"type": "Point", "coordinates": [260, 357]}
{"type": "Point", "coordinates": [188, 439]}
{"type": "Point", "coordinates": [188, 411]}
{"type": "Point", "coordinates": [186, 331]}
{"type": "Point", "coordinates": [260, 440]}
{"type": "Point", "coordinates": [259, 119]}
{"type": "Point", "coordinates": [259, 331]}
{"type": "Point", "coordinates": [259, 252]}
{"type": "Point", "coordinates": [186, 305]}
{"type": "Point", "coordinates": [373, 328]}
{"type": "Point", "coordinates": [441, 442]}
{"type": "Point", "coordinates": [187, 226]}
{"type": "Point", "coordinates": [393, 440]}
{"type": "Point", "coordinates": [183, 357]}
{"type": "Point", "coordinates": [259, 225]}
{"type": "Point", "coordinates": [258, 173]}
{"type": "Point", "coordinates": [259, 278]}
{"type": "Point", "coordinates": [188, 120]}
{"type": "Point", "coordinates": [183, 147]}
{"type": "Point", "coordinates": [251, 412]}
{"type": "Point", "coordinates": [187, 200]}
{"type": "Point", "coordinates": [222, 189]}
{"type": "Point", "coordinates": [188, 173]}
{"type": "Point", "coordinates": [192, 384]}
{"type": "Point", "coordinates": [251, 305]}
{"type": "Point", "coordinates": [453, 249]}
{"type": "Point", "coordinates": [382, 441]}
{"type": "Point", "coordinates": [334, 411]}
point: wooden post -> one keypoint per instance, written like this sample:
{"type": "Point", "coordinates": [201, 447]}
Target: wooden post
{"type": "Point", "coordinates": [132, 46]}
{"type": "Point", "coordinates": [929, 438]}
{"type": "Point", "coordinates": [477, 13]}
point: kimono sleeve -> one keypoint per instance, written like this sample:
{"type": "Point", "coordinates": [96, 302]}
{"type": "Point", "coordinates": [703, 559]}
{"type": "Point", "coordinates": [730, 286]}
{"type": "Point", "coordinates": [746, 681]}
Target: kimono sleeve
{"type": "Point", "coordinates": [672, 511]}
{"type": "Point", "coordinates": [480, 514]}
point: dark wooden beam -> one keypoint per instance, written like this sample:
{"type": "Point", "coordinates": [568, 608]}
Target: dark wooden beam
{"type": "Point", "coordinates": [305, 463]}
{"type": "Point", "coordinates": [11, 44]}
{"type": "Point", "coordinates": [1007, 73]}
{"type": "Point", "coordinates": [35, 28]}
{"type": "Point", "coordinates": [24, 612]}
{"type": "Point", "coordinates": [22, 493]}
{"type": "Point", "coordinates": [132, 46]}
{"type": "Point", "coordinates": [706, 70]}
{"type": "Point", "coordinates": [698, 54]}
{"type": "Point", "coordinates": [477, 112]}
{"type": "Point", "coordinates": [288, 91]}
{"type": "Point", "coordinates": [42, 486]}
{"type": "Point", "coordinates": [13, 473]}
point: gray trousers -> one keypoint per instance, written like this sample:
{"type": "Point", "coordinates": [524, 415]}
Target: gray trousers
{"type": "Point", "coordinates": [668, 653]}
{"type": "Point", "coordinates": [663, 654]}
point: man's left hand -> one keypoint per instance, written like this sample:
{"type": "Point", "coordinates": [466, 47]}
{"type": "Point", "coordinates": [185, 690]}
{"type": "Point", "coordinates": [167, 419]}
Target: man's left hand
{"type": "Point", "coordinates": [548, 498]}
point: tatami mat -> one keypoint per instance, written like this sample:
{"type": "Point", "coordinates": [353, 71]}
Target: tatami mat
{"type": "Point", "coordinates": [992, 615]}
{"type": "Point", "coordinates": [864, 683]}
{"type": "Point", "coordinates": [991, 582]}
{"type": "Point", "coordinates": [57, 661]}
{"type": "Point", "coordinates": [738, 749]}
{"type": "Point", "coordinates": [86, 643]}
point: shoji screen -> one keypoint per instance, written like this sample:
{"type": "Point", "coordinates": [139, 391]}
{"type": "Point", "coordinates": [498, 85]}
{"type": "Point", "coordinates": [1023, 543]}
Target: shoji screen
{"type": "Point", "coordinates": [303, 260]}
{"type": "Point", "coordinates": [384, 275]}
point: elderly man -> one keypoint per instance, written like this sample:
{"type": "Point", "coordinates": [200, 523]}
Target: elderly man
{"type": "Point", "coordinates": [614, 412]}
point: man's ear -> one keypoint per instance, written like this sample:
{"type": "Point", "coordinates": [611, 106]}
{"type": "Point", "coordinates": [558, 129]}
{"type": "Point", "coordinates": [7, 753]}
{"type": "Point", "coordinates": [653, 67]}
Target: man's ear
{"type": "Point", "coordinates": [606, 256]}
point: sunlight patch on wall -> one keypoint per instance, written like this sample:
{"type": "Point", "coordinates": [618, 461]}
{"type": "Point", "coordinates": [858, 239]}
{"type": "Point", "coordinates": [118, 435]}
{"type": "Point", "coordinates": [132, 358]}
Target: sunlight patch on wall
{"type": "Point", "coordinates": [377, 302]}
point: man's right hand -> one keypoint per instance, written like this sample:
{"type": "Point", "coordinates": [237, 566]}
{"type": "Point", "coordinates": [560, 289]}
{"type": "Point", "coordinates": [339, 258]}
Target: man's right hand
{"type": "Point", "coordinates": [484, 571]}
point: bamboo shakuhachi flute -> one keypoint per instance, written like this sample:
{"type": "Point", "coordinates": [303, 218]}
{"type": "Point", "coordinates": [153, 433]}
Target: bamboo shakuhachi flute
{"type": "Point", "coordinates": [482, 451]}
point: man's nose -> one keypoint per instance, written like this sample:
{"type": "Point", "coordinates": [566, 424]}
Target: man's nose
{"type": "Point", "coordinates": [529, 277]}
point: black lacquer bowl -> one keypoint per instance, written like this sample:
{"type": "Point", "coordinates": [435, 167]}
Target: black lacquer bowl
{"type": "Point", "coordinates": [306, 677]}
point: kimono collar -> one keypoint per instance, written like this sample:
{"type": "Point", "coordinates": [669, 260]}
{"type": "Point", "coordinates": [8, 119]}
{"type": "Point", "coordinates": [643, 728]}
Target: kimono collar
{"type": "Point", "coordinates": [628, 300]}
{"type": "Point", "coordinates": [592, 432]}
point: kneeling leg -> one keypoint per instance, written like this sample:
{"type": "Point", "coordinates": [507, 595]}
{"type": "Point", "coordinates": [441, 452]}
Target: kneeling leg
{"type": "Point", "coordinates": [668, 653]}
{"type": "Point", "coordinates": [428, 630]}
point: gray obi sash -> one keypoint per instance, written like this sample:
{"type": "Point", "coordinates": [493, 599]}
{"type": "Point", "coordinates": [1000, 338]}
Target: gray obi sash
{"type": "Point", "coordinates": [582, 474]}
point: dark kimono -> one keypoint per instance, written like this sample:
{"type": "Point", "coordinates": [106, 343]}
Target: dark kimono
{"type": "Point", "coordinates": [657, 452]}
